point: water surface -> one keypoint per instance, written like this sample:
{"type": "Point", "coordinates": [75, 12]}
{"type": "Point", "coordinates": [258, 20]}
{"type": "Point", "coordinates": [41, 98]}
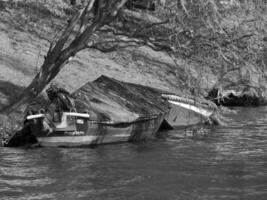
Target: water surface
{"type": "Point", "coordinates": [228, 163]}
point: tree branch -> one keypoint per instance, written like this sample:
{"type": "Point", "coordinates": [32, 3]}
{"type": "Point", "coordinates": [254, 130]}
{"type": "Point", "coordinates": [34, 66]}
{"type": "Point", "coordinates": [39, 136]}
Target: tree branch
{"type": "Point", "coordinates": [125, 42]}
{"type": "Point", "coordinates": [57, 56]}
{"type": "Point", "coordinates": [144, 17]}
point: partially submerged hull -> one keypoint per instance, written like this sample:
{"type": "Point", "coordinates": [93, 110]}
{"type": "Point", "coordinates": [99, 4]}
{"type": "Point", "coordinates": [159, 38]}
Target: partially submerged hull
{"type": "Point", "coordinates": [81, 131]}
{"type": "Point", "coordinates": [180, 116]}
{"type": "Point", "coordinates": [185, 112]}
{"type": "Point", "coordinates": [111, 111]}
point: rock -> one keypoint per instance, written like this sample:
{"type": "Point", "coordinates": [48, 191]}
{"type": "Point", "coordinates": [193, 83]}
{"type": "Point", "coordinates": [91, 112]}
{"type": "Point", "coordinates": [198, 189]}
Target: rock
{"type": "Point", "coordinates": [245, 87]}
{"type": "Point", "coordinates": [234, 97]}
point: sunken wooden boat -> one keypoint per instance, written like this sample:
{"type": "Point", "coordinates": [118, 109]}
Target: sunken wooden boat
{"type": "Point", "coordinates": [111, 111]}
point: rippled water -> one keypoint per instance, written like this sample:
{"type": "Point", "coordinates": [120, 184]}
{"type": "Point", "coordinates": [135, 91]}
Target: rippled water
{"type": "Point", "coordinates": [228, 163]}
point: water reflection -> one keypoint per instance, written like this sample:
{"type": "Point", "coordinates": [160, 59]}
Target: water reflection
{"type": "Point", "coordinates": [228, 163]}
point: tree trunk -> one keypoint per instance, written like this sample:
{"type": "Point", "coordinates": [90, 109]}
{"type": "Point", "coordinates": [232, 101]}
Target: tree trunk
{"type": "Point", "coordinates": [57, 57]}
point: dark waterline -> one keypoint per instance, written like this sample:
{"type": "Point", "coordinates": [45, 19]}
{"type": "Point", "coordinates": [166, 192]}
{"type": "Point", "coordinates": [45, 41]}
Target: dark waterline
{"type": "Point", "coordinates": [229, 163]}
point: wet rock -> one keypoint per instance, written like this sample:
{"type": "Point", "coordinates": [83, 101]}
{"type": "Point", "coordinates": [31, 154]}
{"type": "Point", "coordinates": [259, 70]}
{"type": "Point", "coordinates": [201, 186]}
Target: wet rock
{"type": "Point", "coordinates": [246, 86]}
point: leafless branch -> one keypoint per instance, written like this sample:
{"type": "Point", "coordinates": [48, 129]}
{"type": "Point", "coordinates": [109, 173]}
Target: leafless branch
{"type": "Point", "coordinates": [84, 16]}
{"type": "Point", "coordinates": [141, 16]}
{"type": "Point", "coordinates": [126, 41]}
